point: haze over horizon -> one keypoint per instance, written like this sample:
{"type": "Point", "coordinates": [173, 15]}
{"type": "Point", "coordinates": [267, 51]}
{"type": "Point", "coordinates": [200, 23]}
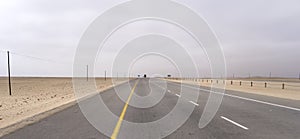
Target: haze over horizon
{"type": "Point", "coordinates": [257, 37]}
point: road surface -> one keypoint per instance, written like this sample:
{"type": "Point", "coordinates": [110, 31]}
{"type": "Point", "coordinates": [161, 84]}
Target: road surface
{"type": "Point", "coordinates": [240, 116]}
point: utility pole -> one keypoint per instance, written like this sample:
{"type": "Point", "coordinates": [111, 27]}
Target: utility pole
{"type": "Point", "coordinates": [87, 72]}
{"type": "Point", "coordinates": [270, 76]}
{"type": "Point", "coordinates": [105, 75]}
{"type": "Point", "coordinates": [8, 67]}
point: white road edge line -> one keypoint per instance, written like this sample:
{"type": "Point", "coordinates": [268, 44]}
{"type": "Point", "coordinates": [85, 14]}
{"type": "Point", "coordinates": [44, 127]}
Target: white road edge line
{"type": "Point", "coordinates": [177, 95]}
{"type": "Point", "coordinates": [194, 103]}
{"type": "Point", "coordinates": [235, 123]}
{"type": "Point", "coordinates": [249, 99]}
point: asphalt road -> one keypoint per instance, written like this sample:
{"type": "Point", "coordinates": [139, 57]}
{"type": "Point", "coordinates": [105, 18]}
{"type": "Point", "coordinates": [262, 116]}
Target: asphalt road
{"type": "Point", "coordinates": [240, 116]}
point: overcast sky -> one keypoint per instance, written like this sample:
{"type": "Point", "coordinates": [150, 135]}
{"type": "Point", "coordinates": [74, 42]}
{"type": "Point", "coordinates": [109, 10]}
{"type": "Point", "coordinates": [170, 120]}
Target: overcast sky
{"type": "Point", "coordinates": [258, 37]}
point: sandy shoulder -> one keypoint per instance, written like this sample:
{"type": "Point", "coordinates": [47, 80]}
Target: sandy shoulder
{"type": "Point", "coordinates": [37, 98]}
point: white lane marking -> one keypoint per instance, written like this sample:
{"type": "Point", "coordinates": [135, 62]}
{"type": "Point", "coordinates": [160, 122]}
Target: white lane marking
{"type": "Point", "coordinates": [178, 95]}
{"type": "Point", "coordinates": [161, 87]}
{"type": "Point", "coordinates": [194, 103]}
{"type": "Point", "coordinates": [235, 123]}
{"type": "Point", "coordinates": [249, 99]}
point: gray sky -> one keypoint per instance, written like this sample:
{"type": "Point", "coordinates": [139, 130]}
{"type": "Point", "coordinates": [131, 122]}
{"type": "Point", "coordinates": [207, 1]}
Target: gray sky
{"type": "Point", "coordinates": [257, 36]}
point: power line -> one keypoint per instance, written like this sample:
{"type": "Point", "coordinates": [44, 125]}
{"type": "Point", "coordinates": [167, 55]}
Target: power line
{"type": "Point", "coordinates": [3, 51]}
{"type": "Point", "coordinates": [36, 58]}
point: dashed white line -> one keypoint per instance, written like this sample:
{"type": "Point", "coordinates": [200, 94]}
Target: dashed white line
{"type": "Point", "coordinates": [194, 103]}
{"type": "Point", "coordinates": [178, 95]}
{"type": "Point", "coordinates": [235, 123]}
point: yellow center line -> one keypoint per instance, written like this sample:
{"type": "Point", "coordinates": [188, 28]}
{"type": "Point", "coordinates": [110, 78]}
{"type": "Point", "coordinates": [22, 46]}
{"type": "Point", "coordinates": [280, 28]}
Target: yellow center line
{"type": "Point", "coordinates": [118, 126]}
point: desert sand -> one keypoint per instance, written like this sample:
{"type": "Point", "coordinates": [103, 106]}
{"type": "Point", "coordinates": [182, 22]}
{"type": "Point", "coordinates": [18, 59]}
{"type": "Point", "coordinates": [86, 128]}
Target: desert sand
{"type": "Point", "coordinates": [33, 96]}
{"type": "Point", "coordinates": [274, 86]}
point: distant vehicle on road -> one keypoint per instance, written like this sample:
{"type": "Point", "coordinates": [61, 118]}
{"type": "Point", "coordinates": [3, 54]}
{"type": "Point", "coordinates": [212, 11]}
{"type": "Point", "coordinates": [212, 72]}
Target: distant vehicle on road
{"type": "Point", "coordinates": [145, 76]}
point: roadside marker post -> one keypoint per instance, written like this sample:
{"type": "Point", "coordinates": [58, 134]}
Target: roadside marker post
{"type": "Point", "coordinates": [265, 85]}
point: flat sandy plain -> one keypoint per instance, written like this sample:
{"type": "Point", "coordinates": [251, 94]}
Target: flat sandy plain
{"type": "Point", "coordinates": [33, 96]}
{"type": "Point", "coordinates": [274, 86]}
